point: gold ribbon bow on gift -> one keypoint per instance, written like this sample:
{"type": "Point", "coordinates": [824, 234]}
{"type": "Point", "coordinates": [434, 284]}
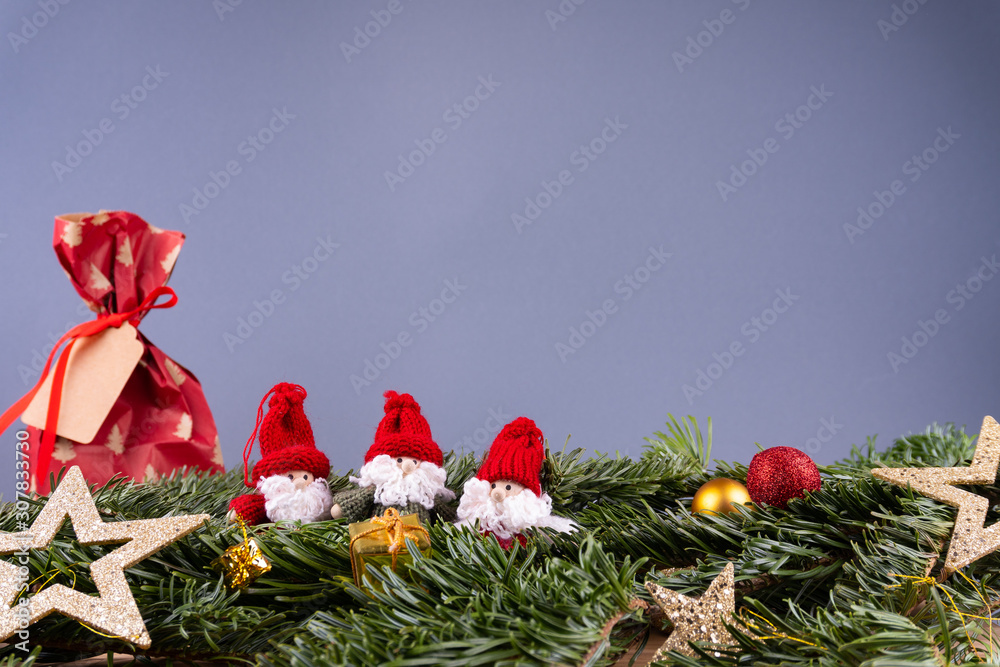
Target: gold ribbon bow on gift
{"type": "Point", "coordinates": [395, 529]}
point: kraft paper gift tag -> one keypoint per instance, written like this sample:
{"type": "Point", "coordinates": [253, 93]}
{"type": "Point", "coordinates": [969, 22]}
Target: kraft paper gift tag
{"type": "Point", "coordinates": [96, 372]}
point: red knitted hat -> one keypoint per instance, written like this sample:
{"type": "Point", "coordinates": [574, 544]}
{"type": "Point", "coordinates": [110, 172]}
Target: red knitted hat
{"type": "Point", "coordinates": [517, 455]}
{"type": "Point", "coordinates": [286, 437]}
{"type": "Point", "coordinates": [404, 432]}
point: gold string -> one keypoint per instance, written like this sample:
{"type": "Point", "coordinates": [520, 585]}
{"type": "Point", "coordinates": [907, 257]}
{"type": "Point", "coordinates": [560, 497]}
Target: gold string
{"type": "Point", "coordinates": [98, 632]}
{"type": "Point", "coordinates": [775, 633]}
{"type": "Point", "coordinates": [984, 601]}
{"type": "Point", "coordinates": [52, 574]}
{"type": "Point", "coordinates": [931, 581]}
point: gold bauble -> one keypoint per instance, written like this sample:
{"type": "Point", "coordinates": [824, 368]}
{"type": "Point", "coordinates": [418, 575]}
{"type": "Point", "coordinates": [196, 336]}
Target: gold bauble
{"type": "Point", "coordinates": [719, 495]}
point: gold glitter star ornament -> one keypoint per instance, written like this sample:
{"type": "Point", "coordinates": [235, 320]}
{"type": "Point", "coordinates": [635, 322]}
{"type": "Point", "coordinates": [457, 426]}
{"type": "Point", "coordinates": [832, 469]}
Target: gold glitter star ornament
{"type": "Point", "coordinates": [970, 539]}
{"type": "Point", "coordinates": [697, 619]}
{"type": "Point", "coordinates": [113, 611]}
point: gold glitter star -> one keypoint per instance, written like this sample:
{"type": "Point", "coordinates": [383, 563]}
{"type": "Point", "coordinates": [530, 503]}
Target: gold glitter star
{"type": "Point", "coordinates": [970, 539]}
{"type": "Point", "coordinates": [696, 619]}
{"type": "Point", "coordinates": [113, 611]}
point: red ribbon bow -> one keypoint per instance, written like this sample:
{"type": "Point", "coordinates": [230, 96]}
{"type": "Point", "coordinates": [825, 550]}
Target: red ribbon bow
{"type": "Point", "coordinates": [103, 321]}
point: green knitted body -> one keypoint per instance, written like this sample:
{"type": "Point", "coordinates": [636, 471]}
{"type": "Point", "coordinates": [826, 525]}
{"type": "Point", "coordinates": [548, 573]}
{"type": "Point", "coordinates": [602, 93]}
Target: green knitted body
{"type": "Point", "coordinates": [359, 505]}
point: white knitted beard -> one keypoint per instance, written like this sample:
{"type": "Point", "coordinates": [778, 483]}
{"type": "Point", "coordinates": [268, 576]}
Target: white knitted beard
{"type": "Point", "coordinates": [283, 502]}
{"type": "Point", "coordinates": [392, 487]}
{"type": "Point", "coordinates": [512, 515]}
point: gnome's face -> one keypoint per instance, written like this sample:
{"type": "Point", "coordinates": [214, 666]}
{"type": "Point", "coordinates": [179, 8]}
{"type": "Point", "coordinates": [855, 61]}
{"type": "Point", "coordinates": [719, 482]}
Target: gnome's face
{"type": "Point", "coordinates": [502, 489]}
{"type": "Point", "coordinates": [408, 465]}
{"type": "Point", "coordinates": [503, 507]}
{"type": "Point", "coordinates": [403, 480]}
{"type": "Point", "coordinates": [301, 479]}
{"type": "Point", "coordinates": [295, 496]}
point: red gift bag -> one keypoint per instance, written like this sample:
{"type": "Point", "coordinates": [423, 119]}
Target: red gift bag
{"type": "Point", "coordinates": [161, 421]}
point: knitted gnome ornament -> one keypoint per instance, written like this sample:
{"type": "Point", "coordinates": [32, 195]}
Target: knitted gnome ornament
{"type": "Point", "coordinates": [291, 475]}
{"type": "Point", "coordinates": [506, 496]}
{"type": "Point", "coordinates": [404, 469]}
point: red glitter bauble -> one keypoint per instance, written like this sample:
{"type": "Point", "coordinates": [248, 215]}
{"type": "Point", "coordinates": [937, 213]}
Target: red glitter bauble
{"type": "Point", "coordinates": [778, 474]}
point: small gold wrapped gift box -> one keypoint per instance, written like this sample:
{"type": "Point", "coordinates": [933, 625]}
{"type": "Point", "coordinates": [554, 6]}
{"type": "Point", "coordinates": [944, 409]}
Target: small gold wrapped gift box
{"type": "Point", "coordinates": [382, 541]}
{"type": "Point", "coordinates": [242, 563]}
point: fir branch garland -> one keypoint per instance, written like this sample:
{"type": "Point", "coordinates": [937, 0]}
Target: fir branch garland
{"type": "Point", "coordinates": [827, 578]}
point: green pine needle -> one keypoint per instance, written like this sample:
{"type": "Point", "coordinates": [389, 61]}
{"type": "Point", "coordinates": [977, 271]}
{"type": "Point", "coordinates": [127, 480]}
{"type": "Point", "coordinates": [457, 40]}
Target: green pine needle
{"type": "Point", "coordinates": [685, 440]}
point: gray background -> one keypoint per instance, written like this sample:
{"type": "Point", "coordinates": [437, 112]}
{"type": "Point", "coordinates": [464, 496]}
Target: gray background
{"type": "Point", "coordinates": [494, 347]}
